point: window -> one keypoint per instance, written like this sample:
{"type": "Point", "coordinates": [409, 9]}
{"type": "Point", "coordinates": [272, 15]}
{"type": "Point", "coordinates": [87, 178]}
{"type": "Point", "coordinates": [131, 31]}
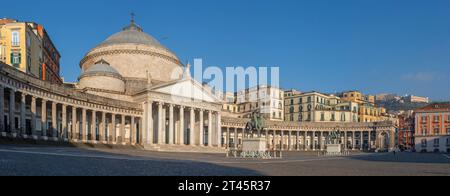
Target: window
{"type": "Point", "coordinates": [300, 109]}
{"type": "Point", "coordinates": [448, 130]}
{"type": "Point", "coordinates": [333, 117]}
{"type": "Point", "coordinates": [292, 101]}
{"type": "Point", "coordinates": [436, 142]}
{"type": "Point", "coordinates": [15, 59]}
{"type": "Point", "coordinates": [424, 143]}
{"type": "Point", "coordinates": [301, 101]}
{"type": "Point", "coordinates": [292, 118]}
{"type": "Point", "coordinates": [309, 99]}
{"type": "Point", "coordinates": [448, 141]}
{"type": "Point", "coordinates": [424, 119]}
{"type": "Point", "coordinates": [300, 117]}
{"type": "Point", "coordinates": [40, 76]}
{"type": "Point", "coordinates": [28, 64]}
{"type": "Point", "coordinates": [322, 117]}
{"type": "Point", "coordinates": [29, 41]}
{"type": "Point", "coordinates": [436, 131]}
{"type": "Point", "coordinates": [291, 110]}
{"type": "Point", "coordinates": [436, 118]}
{"type": "Point", "coordinates": [15, 41]}
{"type": "Point", "coordinates": [424, 131]}
{"type": "Point", "coordinates": [448, 117]}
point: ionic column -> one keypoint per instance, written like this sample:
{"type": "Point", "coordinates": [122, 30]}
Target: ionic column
{"type": "Point", "coordinates": [314, 140]}
{"type": "Point", "coordinates": [171, 120]}
{"type": "Point", "coordinates": [64, 131]}
{"type": "Point", "coordinates": [290, 141]}
{"type": "Point", "coordinates": [113, 132]}
{"type": "Point", "coordinates": [305, 135]}
{"type": "Point", "coordinates": [228, 138]}
{"type": "Point", "coordinates": [345, 140]}
{"type": "Point", "coordinates": [210, 130]}
{"type": "Point", "coordinates": [354, 140]}
{"type": "Point", "coordinates": [54, 123]}
{"type": "Point", "coordinates": [160, 123]}
{"type": "Point", "coordinates": [44, 119]}
{"type": "Point", "coordinates": [320, 140]}
{"type": "Point", "coordinates": [133, 134]}
{"type": "Point", "coordinates": [274, 140]}
{"type": "Point", "coordinates": [181, 132]}
{"type": "Point", "coordinates": [219, 129]}
{"type": "Point", "coordinates": [122, 130]}
{"type": "Point", "coordinates": [192, 128]}
{"type": "Point", "coordinates": [150, 129]}
{"type": "Point", "coordinates": [83, 125]}
{"type": "Point", "coordinates": [361, 142]}
{"type": "Point", "coordinates": [93, 126]}
{"type": "Point", "coordinates": [2, 110]}
{"type": "Point", "coordinates": [12, 112]}
{"type": "Point", "coordinates": [103, 128]}
{"type": "Point", "coordinates": [201, 129]}
{"type": "Point", "coordinates": [75, 134]}
{"type": "Point", "coordinates": [235, 138]}
{"type": "Point", "coordinates": [23, 127]}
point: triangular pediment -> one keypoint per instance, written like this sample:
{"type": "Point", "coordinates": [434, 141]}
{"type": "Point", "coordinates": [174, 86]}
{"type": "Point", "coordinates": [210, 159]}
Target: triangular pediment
{"type": "Point", "coordinates": [186, 88]}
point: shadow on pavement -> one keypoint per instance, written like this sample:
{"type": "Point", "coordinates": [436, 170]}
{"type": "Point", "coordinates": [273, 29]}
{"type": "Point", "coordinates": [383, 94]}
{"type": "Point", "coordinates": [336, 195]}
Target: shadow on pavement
{"type": "Point", "coordinates": [406, 157]}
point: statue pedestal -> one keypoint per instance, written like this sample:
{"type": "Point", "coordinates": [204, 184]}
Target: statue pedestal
{"type": "Point", "coordinates": [334, 148]}
{"type": "Point", "coordinates": [254, 145]}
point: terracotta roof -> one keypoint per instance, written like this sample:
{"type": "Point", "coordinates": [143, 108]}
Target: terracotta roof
{"type": "Point", "coordinates": [435, 107]}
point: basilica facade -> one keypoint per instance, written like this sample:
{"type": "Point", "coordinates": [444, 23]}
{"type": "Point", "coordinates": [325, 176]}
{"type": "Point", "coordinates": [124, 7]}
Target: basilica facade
{"type": "Point", "coordinates": [134, 91]}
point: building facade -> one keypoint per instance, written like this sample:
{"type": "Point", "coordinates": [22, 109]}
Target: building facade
{"type": "Point", "coordinates": [266, 99]}
{"type": "Point", "coordinates": [406, 131]}
{"type": "Point", "coordinates": [27, 47]}
{"type": "Point", "coordinates": [416, 99]}
{"type": "Point", "coordinates": [318, 107]}
{"type": "Point", "coordinates": [433, 128]}
{"type": "Point", "coordinates": [125, 96]}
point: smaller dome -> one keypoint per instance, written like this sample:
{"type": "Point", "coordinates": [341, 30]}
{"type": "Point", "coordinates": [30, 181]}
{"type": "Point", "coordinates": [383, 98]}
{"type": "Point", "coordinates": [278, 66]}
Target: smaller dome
{"type": "Point", "coordinates": [101, 68]}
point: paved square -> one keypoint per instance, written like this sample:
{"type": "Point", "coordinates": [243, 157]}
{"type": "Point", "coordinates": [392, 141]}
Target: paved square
{"type": "Point", "coordinates": [49, 161]}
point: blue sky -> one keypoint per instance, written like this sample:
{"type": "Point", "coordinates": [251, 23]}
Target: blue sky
{"type": "Point", "coordinates": [376, 46]}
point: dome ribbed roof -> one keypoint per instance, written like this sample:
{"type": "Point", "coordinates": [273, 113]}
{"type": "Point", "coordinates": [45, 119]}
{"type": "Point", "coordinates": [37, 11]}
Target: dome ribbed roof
{"type": "Point", "coordinates": [133, 34]}
{"type": "Point", "coordinates": [102, 67]}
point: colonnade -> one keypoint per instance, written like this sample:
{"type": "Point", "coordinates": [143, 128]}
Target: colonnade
{"type": "Point", "coordinates": [42, 117]}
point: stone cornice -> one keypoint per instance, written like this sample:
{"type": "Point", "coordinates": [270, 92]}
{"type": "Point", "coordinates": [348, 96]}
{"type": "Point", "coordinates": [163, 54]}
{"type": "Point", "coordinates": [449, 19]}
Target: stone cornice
{"type": "Point", "coordinates": [307, 126]}
{"type": "Point", "coordinates": [128, 51]}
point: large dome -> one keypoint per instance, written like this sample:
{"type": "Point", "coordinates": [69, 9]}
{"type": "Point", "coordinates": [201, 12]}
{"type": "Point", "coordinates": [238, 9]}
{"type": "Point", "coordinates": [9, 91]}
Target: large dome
{"type": "Point", "coordinates": [132, 35]}
{"type": "Point", "coordinates": [133, 53]}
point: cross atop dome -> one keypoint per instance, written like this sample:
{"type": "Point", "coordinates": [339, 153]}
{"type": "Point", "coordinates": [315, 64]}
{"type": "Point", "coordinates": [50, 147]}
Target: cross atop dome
{"type": "Point", "coordinates": [133, 25]}
{"type": "Point", "coordinates": [133, 18]}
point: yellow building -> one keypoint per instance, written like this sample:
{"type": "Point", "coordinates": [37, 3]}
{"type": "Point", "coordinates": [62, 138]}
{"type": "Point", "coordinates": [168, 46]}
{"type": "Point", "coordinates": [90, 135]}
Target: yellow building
{"type": "Point", "coordinates": [21, 46]}
{"type": "Point", "coordinates": [318, 107]}
{"type": "Point", "coordinates": [368, 111]}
